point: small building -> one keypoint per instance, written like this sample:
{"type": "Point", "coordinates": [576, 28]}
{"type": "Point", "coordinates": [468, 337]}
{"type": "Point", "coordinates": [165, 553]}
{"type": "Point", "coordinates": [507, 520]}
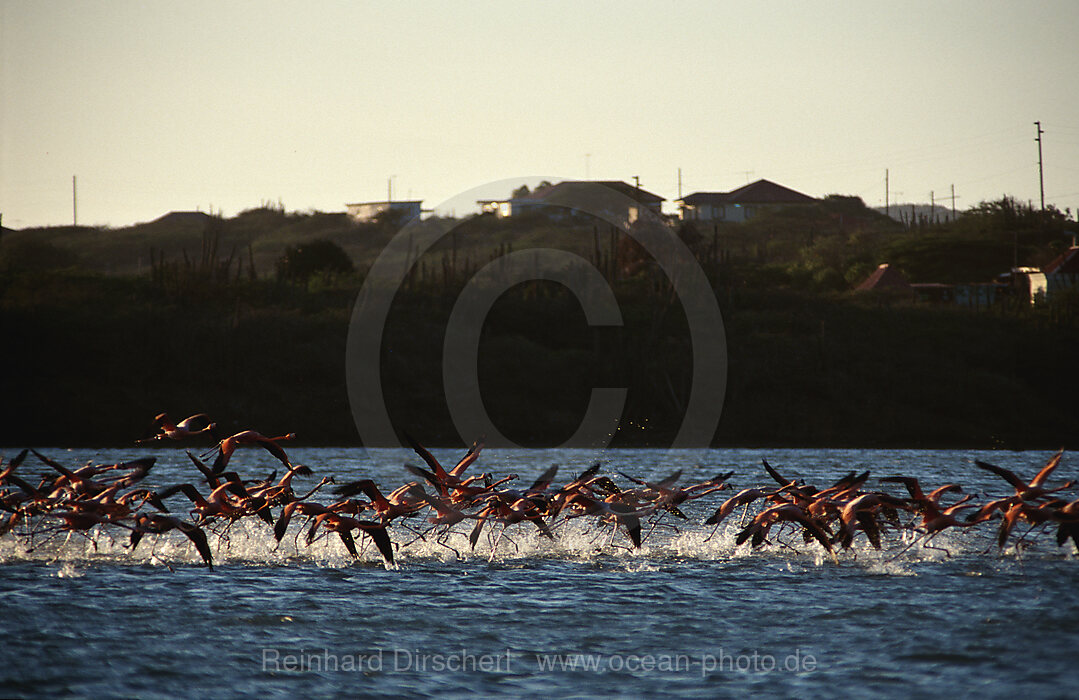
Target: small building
{"type": "Point", "coordinates": [1063, 271]}
{"type": "Point", "coordinates": [514, 206]}
{"type": "Point", "coordinates": [498, 207]}
{"type": "Point", "coordinates": [183, 218]}
{"type": "Point", "coordinates": [973, 295]}
{"type": "Point", "coordinates": [1028, 283]}
{"type": "Point", "coordinates": [934, 292]}
{"type": "Point", "coordinates": [555, 201]}
{"type": "Point", "coordinates": [885, 278]}
{"type": "Point", "coordinates": [977, 295]}
{"type": "Point", "coordinates": [741, 204]}
{"type": "Point", "coordinates": [369, 211]}
{"type": "Point", "coordinates": [646, 200]}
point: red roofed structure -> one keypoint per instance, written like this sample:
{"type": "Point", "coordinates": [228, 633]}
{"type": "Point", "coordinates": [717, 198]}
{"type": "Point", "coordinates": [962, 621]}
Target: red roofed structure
{"type": "Point", "coordinates": [1067, 263]}
{"type": "Point", "coordinates": [885, 278]}
{"type": "Point", "coordinates": [1063, 272]}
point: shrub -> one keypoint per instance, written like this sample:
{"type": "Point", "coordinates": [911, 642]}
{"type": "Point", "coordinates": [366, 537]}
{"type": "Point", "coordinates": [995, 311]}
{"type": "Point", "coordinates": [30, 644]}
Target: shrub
{"type": "Point", "coordinates": [303, 261]}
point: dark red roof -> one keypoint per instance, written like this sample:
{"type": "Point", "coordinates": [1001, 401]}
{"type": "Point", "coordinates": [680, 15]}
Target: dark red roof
{"type": "Point", "coordinates": [884, 277]}
{"type": "Point", "coordinates": [1067, 263]}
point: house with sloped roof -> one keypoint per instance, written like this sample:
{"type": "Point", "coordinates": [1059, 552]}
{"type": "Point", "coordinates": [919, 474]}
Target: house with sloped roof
{"type": "Point", "coordinates": [183, 218]}
{"type": "Point", "coordinates": [741, 204]}
{"type": "Point", "coordinates": [1063, 271]}
{"type": "Point", "coordinates": [615, 199]}
{"type": "Point", "coordinates": [885, 277]}
{"type": "Point", "coordinates": [886, 280]}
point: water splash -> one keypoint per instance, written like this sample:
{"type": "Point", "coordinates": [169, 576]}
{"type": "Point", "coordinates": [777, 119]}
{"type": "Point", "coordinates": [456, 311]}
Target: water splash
{"type": "Point", "coordinates": [249, 542]}
{"type": "Point", "coordinates": [69, 570]}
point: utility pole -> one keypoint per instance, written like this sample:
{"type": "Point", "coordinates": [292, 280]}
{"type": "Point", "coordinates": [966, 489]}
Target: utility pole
{"type": "Point", "coordinates": [932, 208]}
{"type": "Point", "coordinates": [1041, 174]}
{"type": "Point", "coordinates": [637, 185]}
{"type": "Point", "coordinates": [74, 203]}
{"type": "Point", "coordinates": [953, 198]}
{"type": "Point", "coordinates": [886, 191]}
{"type": "Point", "coordinates": [679, 183]}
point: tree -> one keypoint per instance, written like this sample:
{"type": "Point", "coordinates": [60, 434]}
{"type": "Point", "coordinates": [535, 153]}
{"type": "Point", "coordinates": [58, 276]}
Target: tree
{"type": "Point", "coordinates": [305, 260]}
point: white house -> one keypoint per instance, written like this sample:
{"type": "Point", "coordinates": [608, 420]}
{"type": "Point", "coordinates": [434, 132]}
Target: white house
{"type": "Point", "coordinates": [741, 204]}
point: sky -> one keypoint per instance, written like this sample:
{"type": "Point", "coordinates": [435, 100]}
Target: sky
{"type": "Point", "coordinates": [224, 106]}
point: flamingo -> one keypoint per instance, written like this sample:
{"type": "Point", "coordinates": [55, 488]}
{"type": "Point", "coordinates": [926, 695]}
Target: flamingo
{"type": "Point", "coordinates": [192, 426]}
{"type": "Point", "coordinates": [784, 512]}
{"type": "Point", "coordinates": [250, 437]}
{"type": "Point", "coordinates": [1033, 489]}
{"type": "Point", "coordinates": [158, 524]}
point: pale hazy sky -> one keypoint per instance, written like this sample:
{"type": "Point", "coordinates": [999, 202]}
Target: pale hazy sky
{"type": "Point", "coordinates": [160, 106]}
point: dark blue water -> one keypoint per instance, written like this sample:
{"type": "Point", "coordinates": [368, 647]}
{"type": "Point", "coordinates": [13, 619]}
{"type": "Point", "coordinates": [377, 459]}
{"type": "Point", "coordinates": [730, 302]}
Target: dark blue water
{"type": "Point", "coordinates": [687, 616]}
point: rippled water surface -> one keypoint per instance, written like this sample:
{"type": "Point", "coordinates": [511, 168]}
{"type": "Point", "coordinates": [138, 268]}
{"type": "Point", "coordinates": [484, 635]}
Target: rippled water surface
{"type": "Point", "coordinates": [688, 615]}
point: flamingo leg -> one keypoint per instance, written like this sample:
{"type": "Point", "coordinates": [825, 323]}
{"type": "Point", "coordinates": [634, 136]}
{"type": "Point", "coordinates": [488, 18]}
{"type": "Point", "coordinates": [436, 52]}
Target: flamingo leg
{"type": "Point", "coordinates": [926, 545]}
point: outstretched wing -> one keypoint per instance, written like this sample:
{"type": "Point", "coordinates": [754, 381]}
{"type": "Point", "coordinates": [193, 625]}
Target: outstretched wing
{"type": "Point", "coordinates": [381, 538]}
{"type": "Point", "coordinates": [196, 535]}
{"type": "Point", "coordinates": [1043, 475]}
{"type": "Point", "coordinates": [545, 479]}
{"type": "Point", "coordinates": [426, 456]}
{"type": "Point", "coordinates": [1003, 473]}
{"type": "Point", "coordinates": [774, 474]}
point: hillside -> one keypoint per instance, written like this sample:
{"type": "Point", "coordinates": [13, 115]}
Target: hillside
{"type": "Point", "coordinates": [101, 338]}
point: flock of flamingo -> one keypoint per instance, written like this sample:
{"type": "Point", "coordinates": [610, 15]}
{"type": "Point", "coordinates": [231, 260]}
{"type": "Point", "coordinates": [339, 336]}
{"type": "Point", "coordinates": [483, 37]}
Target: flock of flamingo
{"type": "Point", "coordinates": [88, 500]}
